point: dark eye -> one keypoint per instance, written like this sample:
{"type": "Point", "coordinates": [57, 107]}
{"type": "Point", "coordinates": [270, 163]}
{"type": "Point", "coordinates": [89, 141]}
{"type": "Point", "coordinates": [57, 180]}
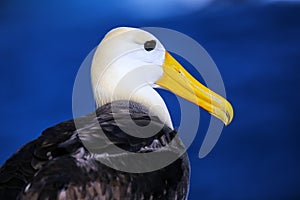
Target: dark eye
{"type": "Point", "coordinates": [150, 45]}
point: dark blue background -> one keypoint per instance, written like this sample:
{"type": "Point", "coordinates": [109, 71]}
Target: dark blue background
{"type": "Point", "coordinates": [256, 47]}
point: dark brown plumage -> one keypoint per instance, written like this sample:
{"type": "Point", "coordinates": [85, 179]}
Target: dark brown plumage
{"type": "Point", "coordinates": [58, 166]}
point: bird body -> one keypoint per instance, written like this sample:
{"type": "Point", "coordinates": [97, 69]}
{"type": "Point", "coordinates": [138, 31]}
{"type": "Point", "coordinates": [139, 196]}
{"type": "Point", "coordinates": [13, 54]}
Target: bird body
{"type": "Point", "coordinates": [58, 166]}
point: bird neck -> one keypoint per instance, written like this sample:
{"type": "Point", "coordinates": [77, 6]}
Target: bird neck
{"type": "Point", "coordinates": [145, 95]}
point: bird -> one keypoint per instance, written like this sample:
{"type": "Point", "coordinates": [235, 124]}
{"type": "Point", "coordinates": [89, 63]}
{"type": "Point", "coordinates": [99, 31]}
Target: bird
{"type": "Point", "coordinates": [106, 154]}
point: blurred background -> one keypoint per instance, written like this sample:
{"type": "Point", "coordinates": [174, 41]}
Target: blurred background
{"type": "Point", "coordinates": [255, 44]}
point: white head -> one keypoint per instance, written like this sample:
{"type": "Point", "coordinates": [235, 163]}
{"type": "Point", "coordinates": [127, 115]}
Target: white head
{"type": "Point", "coordinates": [130, 62]}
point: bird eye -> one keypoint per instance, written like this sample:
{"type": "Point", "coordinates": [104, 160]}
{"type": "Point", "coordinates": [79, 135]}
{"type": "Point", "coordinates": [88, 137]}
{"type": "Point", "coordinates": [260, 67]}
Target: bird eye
{"type": "Point", "coordinates": [150, 45]}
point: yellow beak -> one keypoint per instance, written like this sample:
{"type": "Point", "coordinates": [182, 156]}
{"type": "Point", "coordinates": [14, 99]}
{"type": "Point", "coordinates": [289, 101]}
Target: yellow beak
{"type": "Point", "coordinates": [176, 79]}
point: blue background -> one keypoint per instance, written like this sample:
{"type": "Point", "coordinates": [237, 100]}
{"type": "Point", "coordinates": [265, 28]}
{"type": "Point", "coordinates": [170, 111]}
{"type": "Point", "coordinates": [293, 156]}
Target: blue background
{"type": "Point", "coordinates": [256, 47]}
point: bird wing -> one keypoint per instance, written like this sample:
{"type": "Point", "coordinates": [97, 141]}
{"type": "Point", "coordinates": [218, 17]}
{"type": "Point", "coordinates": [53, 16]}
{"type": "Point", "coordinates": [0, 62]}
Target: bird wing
{"type": "Point", "coordinates": [74, 178]}
{"type": "Point", "coordinates": [58, 166]}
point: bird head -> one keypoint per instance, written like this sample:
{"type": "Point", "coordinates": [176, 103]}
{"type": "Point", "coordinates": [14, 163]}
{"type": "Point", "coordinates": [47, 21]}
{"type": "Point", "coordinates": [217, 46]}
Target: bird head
{"type": "Point", "coordinates": [129, 63]}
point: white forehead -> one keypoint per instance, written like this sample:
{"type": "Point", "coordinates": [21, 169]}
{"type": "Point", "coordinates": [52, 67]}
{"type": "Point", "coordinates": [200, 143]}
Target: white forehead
{"type": "Point", "coordinates": [129, 34]}
{"type": "Point", "coordinates": [118, 31]}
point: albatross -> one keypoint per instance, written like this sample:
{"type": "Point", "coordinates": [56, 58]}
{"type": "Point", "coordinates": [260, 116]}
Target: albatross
{"type": "Point", "coordinates": [76, 159]}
